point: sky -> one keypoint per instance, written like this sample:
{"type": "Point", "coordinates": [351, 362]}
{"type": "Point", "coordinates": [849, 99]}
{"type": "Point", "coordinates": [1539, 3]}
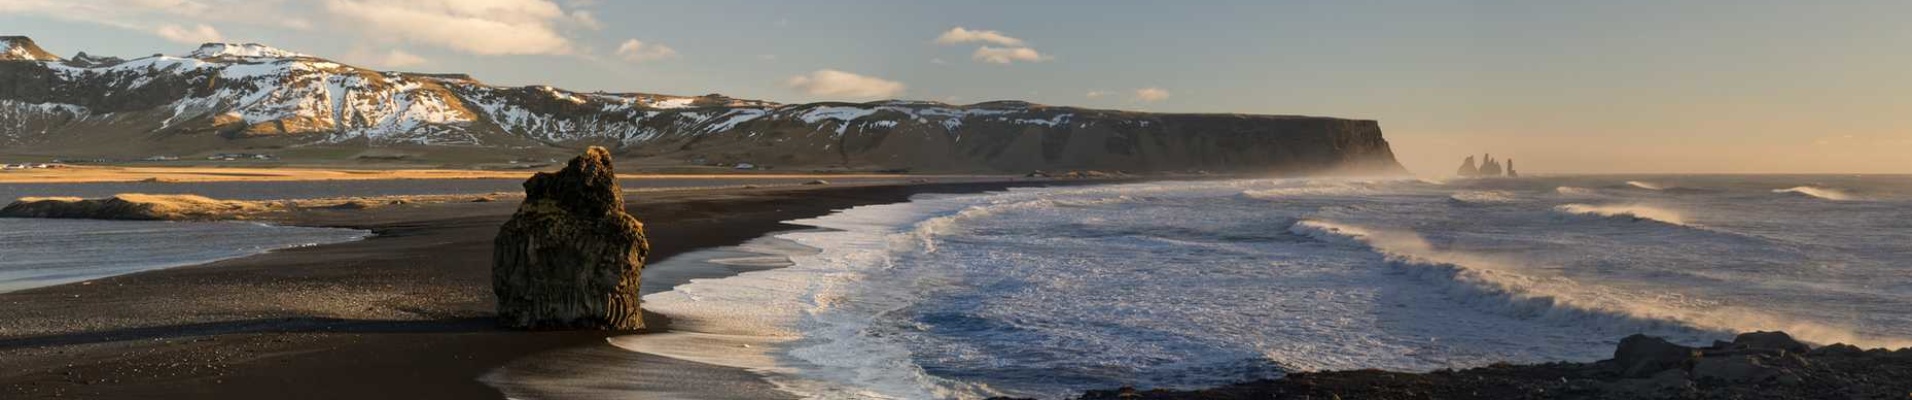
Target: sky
{"type": "Point", "coordinates": [1619, 86]}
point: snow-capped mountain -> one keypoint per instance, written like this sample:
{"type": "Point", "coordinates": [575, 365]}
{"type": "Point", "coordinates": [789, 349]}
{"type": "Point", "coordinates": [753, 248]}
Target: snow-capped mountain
{"type": "Point", "coordinates": [228, 96]}
{"type": "Point", "coordinates": [254, 50]}
{"type": "Point", "coordinates": [22, 48]}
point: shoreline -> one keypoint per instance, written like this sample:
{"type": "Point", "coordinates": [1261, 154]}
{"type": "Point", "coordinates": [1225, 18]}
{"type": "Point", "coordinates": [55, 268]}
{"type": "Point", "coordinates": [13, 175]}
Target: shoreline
{"type": "Point", "coordinates": [403, 313]}
{"type": "Point", "coordinates": [201, 174]}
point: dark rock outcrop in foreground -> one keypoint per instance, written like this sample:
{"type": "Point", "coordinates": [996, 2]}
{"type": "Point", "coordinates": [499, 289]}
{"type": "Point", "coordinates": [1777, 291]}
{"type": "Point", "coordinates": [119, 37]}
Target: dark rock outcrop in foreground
{"type": "Point", "coordinates": [1758, 365]}
{"type": "Point", "coordinates": [570, 257]}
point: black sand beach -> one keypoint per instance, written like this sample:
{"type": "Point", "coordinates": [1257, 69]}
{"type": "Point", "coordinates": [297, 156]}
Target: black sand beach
{"type": "Point", "coordinates": [405, 314]}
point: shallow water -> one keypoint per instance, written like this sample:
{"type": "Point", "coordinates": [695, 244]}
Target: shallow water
{"type": "Point", "coordinates": [45, 252]}
{"type": "Point", "coordinates": [1045, 292]}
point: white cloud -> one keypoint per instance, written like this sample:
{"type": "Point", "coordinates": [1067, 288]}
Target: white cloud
{"type": "Point", "coordinates": [296, 23]}
{"type": "Point", "coordinates": [960, 35]}
{"type": "Point", "coordinates": [1151, 94]}
{"type": "Point", "coordinates": [637, 51]}
{"type": "Point", "coordinates": [767, 57]}
{"type": "Point", "coordinates": [586, 19]}
{"type": "Point", "coordinates": [1096, 94]}
{"type": "Point", "coordinates": [151, 15]}
{"type": "Point", "coordinates": [937, 61]}
{"type": "Point", "coordinates": [1011, 49]}
{"type": "Point", "coordinates": [483, 27]}
{"type": "Point", "coordinates": [834, 83]}
{"type": "Point", "coordinates": [400, 58]}
{"type": "Point", "coordinates": [1007, 55]}
{"type": "Point", "coordinates": [393, 58]}
{"type": "Point", "coordinates": [201, 33]}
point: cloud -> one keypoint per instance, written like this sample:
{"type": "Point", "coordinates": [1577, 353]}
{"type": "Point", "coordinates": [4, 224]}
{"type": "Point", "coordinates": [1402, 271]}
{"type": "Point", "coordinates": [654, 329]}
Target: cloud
{"type": "Point", "coordinates": [1007, 55]}
{"type": "Point", "coordinates": [834, 83]}
{"type": "Point", "coordinates": [399, 58]}
{"type": "Point", "coordinates": [937, 61]}
{"type": "Point", "coordinates": [1095, 94]}
{"type": "Point", "coordinates": [201, 33]}
{"type": "Point", "coordinates": [960, 35]}
{"type": "Point", "coordinates": [296, 23]}
{"type": "Point", "coordinates": [1151, 94]}
{"type": "Point", "coordinates": [151, 15]}
{"type": "Point", "coordinates": [483, 27]}
{"type": "Point", "coordinates": [586, 19]}
{"type": "Point", "coordinates": [637, 51]}
{"type": "Point", "coordinates": [1011, 49]}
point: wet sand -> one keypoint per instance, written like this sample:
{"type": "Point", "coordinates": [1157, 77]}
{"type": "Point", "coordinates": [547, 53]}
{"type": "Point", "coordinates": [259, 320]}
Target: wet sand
{"type": "Point", "coordinates": [405, 314]}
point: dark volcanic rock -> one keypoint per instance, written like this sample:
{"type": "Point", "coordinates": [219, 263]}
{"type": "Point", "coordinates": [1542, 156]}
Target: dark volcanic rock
{"type": "Point", "coordinates": [1641, 356]}
{"type": "Point", "coordinates": [1770, 341]}
{"type": "Point", "coordinates": [570, 257]}
{"type": "Point", "coordinates": [1758, 365]}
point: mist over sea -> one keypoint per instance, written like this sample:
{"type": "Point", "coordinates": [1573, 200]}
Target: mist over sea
{"type": "Point", "coordinates": [1049, 291]}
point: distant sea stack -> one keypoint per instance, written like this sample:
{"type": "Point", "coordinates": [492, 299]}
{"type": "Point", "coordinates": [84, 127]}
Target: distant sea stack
{"type": "Point", "coordinates": [1488, 167]}
{"type": "Point", "coordinates": [1468, 168]}
{"type": "Point", "coordinates": [570, 258]}
{"type": "Point", "coordinates": [227, 97]}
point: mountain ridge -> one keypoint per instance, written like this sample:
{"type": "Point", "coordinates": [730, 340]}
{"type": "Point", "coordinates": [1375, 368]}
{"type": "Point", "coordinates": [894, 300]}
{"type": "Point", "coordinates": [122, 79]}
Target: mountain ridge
{"type": "Point", "coordinates": [226, 96]}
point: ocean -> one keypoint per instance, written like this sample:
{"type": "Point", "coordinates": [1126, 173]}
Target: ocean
{"type": "Point", "coordinates": [1045, 292]}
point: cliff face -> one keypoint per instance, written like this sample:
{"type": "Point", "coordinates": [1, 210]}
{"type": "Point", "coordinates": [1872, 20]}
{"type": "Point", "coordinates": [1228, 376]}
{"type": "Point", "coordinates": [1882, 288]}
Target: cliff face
{"type": "Point", "coordinates": [1016, 136]}
{"type": "Point", "coordinates": [250, 96]}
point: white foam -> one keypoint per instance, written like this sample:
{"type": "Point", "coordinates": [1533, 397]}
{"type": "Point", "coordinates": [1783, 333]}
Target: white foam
{"type": "Point", "coordinates": [1574, 191]}
{"type": "Point", "coordinates": [1482, 197]}
{"type": "Point", "coordinates": [1499, 284]}
{"type": "Point", "coordinates": [1627, 211]}
{"type": "Point", "coordinates": [1645, 185]}
{"type": "Point", "coordinates": [1816, 192]}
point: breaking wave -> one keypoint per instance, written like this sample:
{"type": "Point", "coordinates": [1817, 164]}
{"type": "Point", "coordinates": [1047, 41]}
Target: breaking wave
{"type": "Point", "coordinates": [1312, 189]}
{"type": "Point", "coordinates": [1632, 212]}
{"type": "Point", "coordinates": [1574, 191]}
{"type": "Point", "coordinates": [1645, 185]}
{"type": "Point", "coordinates": [1816, 192]}
{"type": "Point", "coordinates": [1481, 197]}
{"type": "Point", "coordinates": [1499, 285]}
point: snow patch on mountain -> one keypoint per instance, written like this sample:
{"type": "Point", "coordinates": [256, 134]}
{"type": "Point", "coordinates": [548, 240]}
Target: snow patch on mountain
{"type": "Point", "coordinates": [22, 48]}
{"type": "Point", "coordinates": [255, 50]}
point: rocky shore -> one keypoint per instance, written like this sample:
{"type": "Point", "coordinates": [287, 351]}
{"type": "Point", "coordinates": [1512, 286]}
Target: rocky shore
{"type": "Point", "coordinates": [1756, 365]}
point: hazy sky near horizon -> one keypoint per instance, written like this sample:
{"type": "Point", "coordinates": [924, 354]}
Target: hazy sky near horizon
{"type": "Point", "coordinates": [1571, 87]}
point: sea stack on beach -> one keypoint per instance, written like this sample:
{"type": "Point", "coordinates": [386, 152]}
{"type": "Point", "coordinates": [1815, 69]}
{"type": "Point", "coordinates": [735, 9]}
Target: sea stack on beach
{"type": "Point", "coordinates": [570, 258]}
